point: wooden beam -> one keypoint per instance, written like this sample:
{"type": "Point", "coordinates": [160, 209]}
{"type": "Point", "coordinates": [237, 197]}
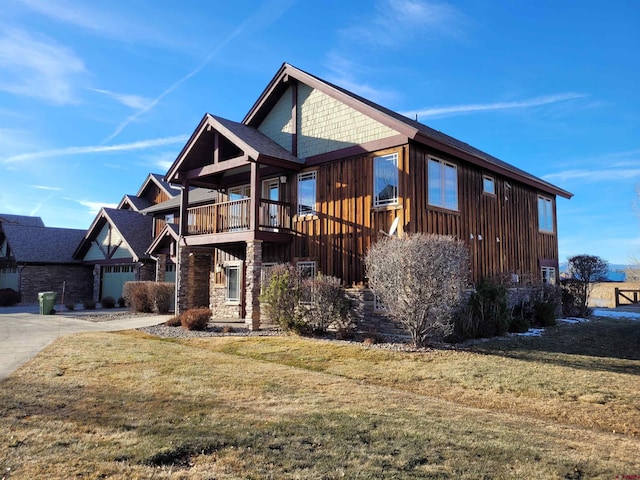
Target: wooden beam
{"type": "Point", "coordinates": [254, 208]}
{"type": "Point", "coordinates": [184, 205]}
{"type": "Point", "coordinates": [294, 118]}
{"type": "Point", "coordinates": [216, 147]}
{"type": "Point", "coordinates": [212, 169]}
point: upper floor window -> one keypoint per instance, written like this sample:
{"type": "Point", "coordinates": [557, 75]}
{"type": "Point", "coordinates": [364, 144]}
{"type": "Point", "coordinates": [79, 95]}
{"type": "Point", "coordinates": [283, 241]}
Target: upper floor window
{"type": "Point", "coordinates": [443, 184]}
{"type": "Point", "coordinates": [385, 180]}
{"type": "Point", "coordinates": [545, 214]}
{"type": "Point", "coordinates": [488, 185]}
{"type": "Point", "coordinates": [307, 193]}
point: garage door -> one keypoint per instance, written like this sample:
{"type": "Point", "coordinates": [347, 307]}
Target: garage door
{"type": "Point", "coordinates": [10, 278]}
{"type": "Point", "coordinates": [113, 279]}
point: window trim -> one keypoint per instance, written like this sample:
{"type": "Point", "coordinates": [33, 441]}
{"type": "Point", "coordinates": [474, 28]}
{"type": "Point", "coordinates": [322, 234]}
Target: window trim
{"type": "Point", "coordinates": [377, 203]}
{"type": "Point", "coordinates": [442, 184]}
{"type": "Point", "coordinates": [235, 266]}
{"type": "Point", "coordinates": [543, 221]}
{"type": "Point", "coordinates": [306, 176]}
{"type": "Point", "coordinates": [552, 274]}
{"type": "Point", "coordinates": [300, 265]}
{"type": "Point", "coordinates": [493, 183]}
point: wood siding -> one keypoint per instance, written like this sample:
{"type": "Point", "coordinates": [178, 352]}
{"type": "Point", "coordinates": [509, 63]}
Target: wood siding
{"type": "Point", "coordinates": [501, 230]}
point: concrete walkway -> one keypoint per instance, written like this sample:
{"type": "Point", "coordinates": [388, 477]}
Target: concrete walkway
{"type": "Point", "coordinates": [24, 333]}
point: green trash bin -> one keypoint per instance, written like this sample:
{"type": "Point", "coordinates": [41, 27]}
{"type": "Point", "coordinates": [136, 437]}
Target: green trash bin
{"type": "Point", "coordinates": [47, 301]}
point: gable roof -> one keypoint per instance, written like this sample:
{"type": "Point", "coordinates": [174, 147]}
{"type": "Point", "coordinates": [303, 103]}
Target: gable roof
{"type": "Point", "coordinates": [133, 227]}
{"type": "Point", "coordinates": [254, 144]}
{"type": "Point", "coordinates": [39, 244]}
{"type": "Point", "coordinates": [158, 180]}
{"type": "Point", "coordinates": [168, 235]}
{"type": "Point", "coordinates": [136, 203]}
{"type": "Point", "coordinates": [413, 130]}
{"type": "Point", "coordinates": [6, 218]}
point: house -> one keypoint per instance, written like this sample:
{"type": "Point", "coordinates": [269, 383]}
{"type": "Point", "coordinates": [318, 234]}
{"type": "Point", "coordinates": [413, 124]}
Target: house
{"type": "Point", "coordinates": [314, 173]}
{"type": "Point", "coordinates": [116, 242]}
{"type": "Point", "coordinates": [35, 258]}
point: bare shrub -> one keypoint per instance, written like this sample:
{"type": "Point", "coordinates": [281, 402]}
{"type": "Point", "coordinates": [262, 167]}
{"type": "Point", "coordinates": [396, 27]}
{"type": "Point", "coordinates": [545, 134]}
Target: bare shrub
{"type": "Point", "coordinates": [161, 296]}
{"type": "Point", "coordinates": [195, 318]}
{"type": "Point", "coordinates": [420, 279]}
{"type": "Point", "coordinates": [174, 321]}
{"type": "Point", "coordinates": [136, 296]}
{"type": "Point", "coordinates": [586, 269]}
{"type": "Point", "coordinates": [108, 302]}
{"type": "Point", "coordinates": [328, 305]}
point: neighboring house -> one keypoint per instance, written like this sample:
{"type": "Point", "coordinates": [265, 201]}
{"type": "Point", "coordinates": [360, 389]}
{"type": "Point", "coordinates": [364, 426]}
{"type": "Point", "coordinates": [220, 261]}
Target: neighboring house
{"type": "Point", "coordinates": [314, 173]}
{"type": "Point", "coordinates": [114, 246]}
{"type": "Point", "coordinates": [35, 258]}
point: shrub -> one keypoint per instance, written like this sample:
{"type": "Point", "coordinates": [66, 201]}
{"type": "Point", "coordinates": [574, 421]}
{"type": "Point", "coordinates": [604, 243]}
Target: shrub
{"type": "Point", "coordinates": [195, 318]}
{"type": "Point", "coordinates": [121, 302]}
{"type": "Point", "coordinates": [161, 296]}
{"type": "Point", "coordinates": [136, 295]}
{"type": "Point", "coordinates": [280, 296]}
{"type": "Point", "coordinates": [71, 306]}
{"type": "Point", "coordinates": [89, 304]}
{"type": "Point", "coordinates": [148, 296]}
{"type": "Point", "coordinates": [486, 313]}
{"type": "Point", "coordinates": [8, 297]}
{"type": "Point", "coordinates": [174, 321]}
{"type": "Point", "coordinates": [329, 305]}
{"type": "Point", "coordinates": [586, 269]}
{"type": "Point", "coordinates": [108, 302]}
{"type": "Point", "coordinates": [420, 279]}
{"type": "Point", "coordinates": [571, 298]}
{"type": "Point", "coordinates": [545, 315]}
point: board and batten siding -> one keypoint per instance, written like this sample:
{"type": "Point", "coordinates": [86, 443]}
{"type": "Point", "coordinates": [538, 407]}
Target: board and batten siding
{"type": "Point", "coordinates": [500, 230]}
{"type": "Point", "coordinates": [109, 245]}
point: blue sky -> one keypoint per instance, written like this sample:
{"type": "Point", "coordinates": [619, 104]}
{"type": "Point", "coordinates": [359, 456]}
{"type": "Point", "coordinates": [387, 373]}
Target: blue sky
{"type": "Point", "coordinates": [95, 95]}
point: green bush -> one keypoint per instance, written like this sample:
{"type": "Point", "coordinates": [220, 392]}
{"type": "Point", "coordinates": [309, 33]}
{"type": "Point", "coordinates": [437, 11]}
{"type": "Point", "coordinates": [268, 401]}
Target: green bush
{"type": "Point", "coordinates": [280, 297]}
{"type": "Point", "coordinates": [108, 302]}
{"type": "Point", "coordinates": [545, 315]}
{"type": "Point", "coordinates": [489, 309]}
{"type": "Point", "coordinates": [89, 304]}
{"type": "Point", "coordinates": [195, 318]}
{"type": "Point", "coordinates": [8, 297]}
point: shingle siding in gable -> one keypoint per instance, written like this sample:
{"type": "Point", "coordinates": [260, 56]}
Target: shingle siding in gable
{"type": "Point", "coordinates": [324, 124]}
{"type": "Point", "coordinates": [277, 125]}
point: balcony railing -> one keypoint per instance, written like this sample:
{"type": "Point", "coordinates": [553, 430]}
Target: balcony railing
{"type": "Point", "coordinates": [234, 216]}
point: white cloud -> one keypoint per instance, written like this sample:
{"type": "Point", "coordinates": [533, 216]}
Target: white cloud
{"type": "Point", "coordinates": [409, 18]}
{"type": "Point", "coordinates": [128, 100]}
{"type": "Point", "coordinates": [45, 187]}
{"type": "Point", "coordinates": [38, 67]}
{"type": "Point", "coordinates": [93, 207]}
{"type": "Point", "coordinates": [436, 112]}
{"type": "Point", "coordinates": [596, 175]}
{"type": "Point", "coordinates": [93, 149]}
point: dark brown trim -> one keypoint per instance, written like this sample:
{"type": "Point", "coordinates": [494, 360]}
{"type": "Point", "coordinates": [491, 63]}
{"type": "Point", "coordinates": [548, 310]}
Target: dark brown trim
{"type": "Point", "coordinates": [364, 148]}
{"type": "Point", "coordinates": [294, 118]}
{"type": "Point", "coordinates": [212, 169]}
{"type": "Point", "coordinates": [548, 262]}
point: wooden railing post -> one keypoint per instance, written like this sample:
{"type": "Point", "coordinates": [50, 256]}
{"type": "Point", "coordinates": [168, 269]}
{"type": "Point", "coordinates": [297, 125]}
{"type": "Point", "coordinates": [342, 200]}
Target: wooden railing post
{"type": "Point", "coordinates": [617, 291]}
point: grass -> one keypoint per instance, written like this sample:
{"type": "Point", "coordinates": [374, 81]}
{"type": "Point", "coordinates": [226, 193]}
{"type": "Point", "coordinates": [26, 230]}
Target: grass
{"type": "Point", "coordinates": [127, 405]}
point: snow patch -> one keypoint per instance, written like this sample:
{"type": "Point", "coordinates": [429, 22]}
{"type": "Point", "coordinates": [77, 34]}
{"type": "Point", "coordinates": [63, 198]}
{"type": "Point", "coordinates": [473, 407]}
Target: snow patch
{"type": "Point", "coordinates": [573, 320]}
{"type": "Point", "coordinates": [532, 332]}
{"type": "Point", "coordinates": [616, 314]}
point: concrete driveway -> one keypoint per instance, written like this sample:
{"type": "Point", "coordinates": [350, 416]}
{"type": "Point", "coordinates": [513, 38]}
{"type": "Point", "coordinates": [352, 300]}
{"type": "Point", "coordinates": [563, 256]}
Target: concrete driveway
{"type": "Point", "coordinates": [24, 333]}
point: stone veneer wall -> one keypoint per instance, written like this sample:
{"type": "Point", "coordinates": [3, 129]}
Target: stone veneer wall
{"type": "Point", "coordinates": [252, 283]}
{"type": "Point", "coordinates": [193, 277]}
{"type": "Point", "coordinates": [219, 307]}
{"type": "Point", "coordinates": [78, 280]}
{"type": "Point", "coordinates": [368, 319]}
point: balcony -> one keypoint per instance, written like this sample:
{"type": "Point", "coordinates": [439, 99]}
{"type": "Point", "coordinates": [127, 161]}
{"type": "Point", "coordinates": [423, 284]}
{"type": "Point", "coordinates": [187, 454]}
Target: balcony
{"type": "Point", "coordinates": [235, 216]}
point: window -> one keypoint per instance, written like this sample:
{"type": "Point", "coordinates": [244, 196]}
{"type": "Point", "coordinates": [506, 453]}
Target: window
{"type": "Point", "coordinates": [385, 180]}
{"type": "Point", "coordinates": [232, 285]}
{"type": "Point", "coordinates": [307, 193]}
{"type": "Point", "coordinates": [488, 185]}
{"type": "Point", "coordinates": [169, 218]}
{"type": "Point", "coordinates": [265, 274]}
{"type": "Point", "coordinates": [443, 184]}
{"type": "Point", "coordinates": [306, 270]}
{"type": "Point", "coordinates": [545, 214]}
{"type": "Point", "coordinates": [549, 275]}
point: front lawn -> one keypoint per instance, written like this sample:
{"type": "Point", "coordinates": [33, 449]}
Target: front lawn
{"type": "Point", "coordinates": [564, 405]}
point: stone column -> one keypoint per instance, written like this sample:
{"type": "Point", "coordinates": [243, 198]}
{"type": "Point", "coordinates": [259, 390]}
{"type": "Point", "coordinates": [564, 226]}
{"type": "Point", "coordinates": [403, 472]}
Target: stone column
{"type": "Point", "coordinates": [252, 284]}
{"type": "Point", "coordinates": [161, 268]}
{"type": "Point", "coordinates": [182, 280]}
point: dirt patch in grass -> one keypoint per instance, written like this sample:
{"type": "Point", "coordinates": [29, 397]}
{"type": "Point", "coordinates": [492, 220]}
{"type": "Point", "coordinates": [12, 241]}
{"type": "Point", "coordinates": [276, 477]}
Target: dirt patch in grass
{"type": "Point", "coordinates": [135, 406]}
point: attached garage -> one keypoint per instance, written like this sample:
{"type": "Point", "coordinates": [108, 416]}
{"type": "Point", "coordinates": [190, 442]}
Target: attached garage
{"type": "Point", "coordinates": [113, 278]}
